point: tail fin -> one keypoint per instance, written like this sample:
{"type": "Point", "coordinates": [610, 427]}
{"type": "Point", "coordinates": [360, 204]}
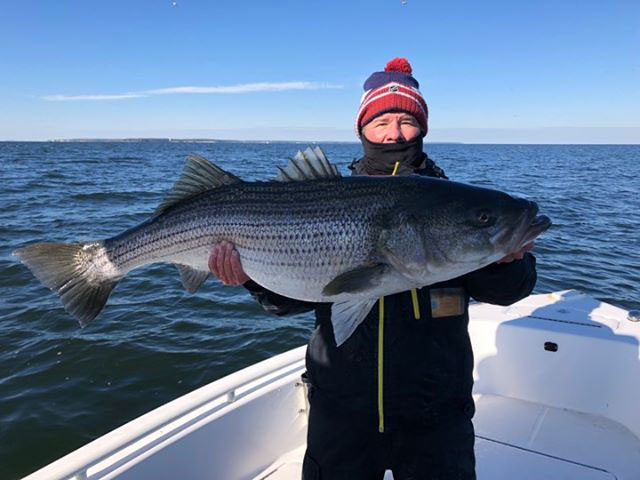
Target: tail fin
{"type": "Point", "coordinates": [75, 271]}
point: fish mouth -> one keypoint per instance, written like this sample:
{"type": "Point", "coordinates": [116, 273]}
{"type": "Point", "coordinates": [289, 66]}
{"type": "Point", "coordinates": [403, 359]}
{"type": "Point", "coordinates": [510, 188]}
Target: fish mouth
{"type": "Point", "coordinates": [529, 226]}
{"type": "Point", "coordinates": [536, 228]}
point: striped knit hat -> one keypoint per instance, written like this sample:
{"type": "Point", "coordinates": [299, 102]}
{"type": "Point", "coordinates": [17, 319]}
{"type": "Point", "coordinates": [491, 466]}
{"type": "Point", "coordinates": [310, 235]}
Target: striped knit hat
{"type": "Point", "coordinates": [393, 90]}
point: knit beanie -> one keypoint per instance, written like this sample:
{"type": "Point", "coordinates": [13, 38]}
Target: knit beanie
{"type": "Point", "coordinates": [393, 90]}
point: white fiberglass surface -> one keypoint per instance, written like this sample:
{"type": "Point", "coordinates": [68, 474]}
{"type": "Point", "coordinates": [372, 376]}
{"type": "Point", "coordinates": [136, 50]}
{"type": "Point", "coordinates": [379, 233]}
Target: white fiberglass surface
{"type": "Point", "coordinates": [564, 350]}
{"type": "Point", "coordinates": [494, 461]}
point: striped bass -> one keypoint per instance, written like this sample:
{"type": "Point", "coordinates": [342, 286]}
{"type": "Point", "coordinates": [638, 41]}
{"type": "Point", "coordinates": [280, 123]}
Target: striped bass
{"type": "Point", "coordinates": [310, 234]}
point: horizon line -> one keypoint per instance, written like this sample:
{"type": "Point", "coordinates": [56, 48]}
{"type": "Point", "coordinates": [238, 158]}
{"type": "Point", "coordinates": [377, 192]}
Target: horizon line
{"type": "Point", "coordinates": [224, 140]}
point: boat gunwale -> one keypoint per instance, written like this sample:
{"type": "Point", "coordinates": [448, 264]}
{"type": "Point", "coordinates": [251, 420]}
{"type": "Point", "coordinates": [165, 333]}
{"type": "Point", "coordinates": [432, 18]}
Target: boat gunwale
{"type": "Point", "coordinates": [221, 393]}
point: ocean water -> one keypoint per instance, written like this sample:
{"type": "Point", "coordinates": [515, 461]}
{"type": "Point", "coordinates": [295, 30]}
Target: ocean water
{"type": "Point", "coordinates": [62, 386]}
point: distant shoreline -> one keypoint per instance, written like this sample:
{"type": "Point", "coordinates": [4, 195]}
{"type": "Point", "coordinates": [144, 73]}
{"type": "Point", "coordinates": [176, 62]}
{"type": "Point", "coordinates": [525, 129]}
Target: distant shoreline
{"type": "Point", "coordinates": [266, 142]}
{"type": "Point", "coordinates": [191, 140]}
{"type": "Point", "coordinates": [182, 140]}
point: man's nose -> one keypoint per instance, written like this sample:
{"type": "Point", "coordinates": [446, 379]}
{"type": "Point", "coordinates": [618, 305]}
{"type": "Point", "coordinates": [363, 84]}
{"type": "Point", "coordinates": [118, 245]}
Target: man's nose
{"type": "Point", "coordinates": [394, 133]}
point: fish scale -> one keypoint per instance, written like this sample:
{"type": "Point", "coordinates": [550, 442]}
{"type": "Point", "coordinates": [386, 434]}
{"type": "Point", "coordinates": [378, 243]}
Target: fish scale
{"type": "Point", "coordinates": [313, 237]}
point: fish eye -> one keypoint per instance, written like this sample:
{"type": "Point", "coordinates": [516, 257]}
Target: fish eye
{"type": "Point", "coordinates": [483, 218]}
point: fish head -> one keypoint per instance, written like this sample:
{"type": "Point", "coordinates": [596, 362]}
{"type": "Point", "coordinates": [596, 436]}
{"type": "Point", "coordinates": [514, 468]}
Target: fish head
{"type": "Point", "coordinates": [465, 228]}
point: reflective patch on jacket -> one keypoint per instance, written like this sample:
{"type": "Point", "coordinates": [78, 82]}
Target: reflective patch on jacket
{"type": "Point", "coordinates": [447, 302]}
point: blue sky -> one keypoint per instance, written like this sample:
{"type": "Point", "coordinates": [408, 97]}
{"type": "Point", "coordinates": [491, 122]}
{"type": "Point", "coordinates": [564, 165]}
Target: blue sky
{"type": "Point", "coordinates": [495, 71]}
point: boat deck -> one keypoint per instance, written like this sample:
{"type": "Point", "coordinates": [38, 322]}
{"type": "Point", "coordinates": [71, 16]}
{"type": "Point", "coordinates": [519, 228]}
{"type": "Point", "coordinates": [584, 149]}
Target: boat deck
{"type": "Point", "coordinates": [538, 442]}
{"type": "Point", "coordinates": [495, 461]}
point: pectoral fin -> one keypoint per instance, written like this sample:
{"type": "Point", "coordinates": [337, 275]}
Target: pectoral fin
{"type": "Point", "coordinates": [346, 316]}
{"type": "Point", "coordinates": [192, 279]}
{"type": "Point", "coordinates": [357, 280]}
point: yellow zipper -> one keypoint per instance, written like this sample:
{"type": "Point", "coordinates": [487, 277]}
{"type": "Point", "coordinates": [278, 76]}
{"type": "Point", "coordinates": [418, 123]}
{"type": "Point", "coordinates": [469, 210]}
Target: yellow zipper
{"type": "Point", "coordinates": [381, 349]}
{"type": "Point", "coordinates": [416, 314]}
{"type": "Point", "coordinates": [416, 305]}
{"type": "Point", "coordinates": [380, 364]}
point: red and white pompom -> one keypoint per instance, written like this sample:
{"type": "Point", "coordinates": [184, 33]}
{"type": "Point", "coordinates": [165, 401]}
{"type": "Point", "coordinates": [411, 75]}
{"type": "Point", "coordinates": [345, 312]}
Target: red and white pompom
{"type": "Point", "coordinates": [399, 65]}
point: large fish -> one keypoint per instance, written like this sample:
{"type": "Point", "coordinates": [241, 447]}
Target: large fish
{"type": "Point", "coordinates": [310, 234]}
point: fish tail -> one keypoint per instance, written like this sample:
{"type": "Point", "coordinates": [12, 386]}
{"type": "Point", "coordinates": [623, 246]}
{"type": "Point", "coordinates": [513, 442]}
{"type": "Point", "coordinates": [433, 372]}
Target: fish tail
{"type": "Point", "coordinates": [81, 273]}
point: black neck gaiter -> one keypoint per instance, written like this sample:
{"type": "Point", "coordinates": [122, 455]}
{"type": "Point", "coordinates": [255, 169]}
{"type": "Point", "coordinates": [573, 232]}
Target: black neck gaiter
{"type": "Point", "coordinates": [381, 158]}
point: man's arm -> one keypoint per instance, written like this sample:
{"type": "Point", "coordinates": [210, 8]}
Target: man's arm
{"type": "Point", "coordinates": [504, 282]}
{"type": "Point", "coordinates": [224, 263]}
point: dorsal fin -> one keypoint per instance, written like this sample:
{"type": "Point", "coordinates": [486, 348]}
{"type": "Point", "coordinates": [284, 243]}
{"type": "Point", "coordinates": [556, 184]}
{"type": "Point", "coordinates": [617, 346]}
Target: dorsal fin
{"type": "Point", "coordinates": [308, 165]}
{"type": "Point", "coordinates": [198, 175]}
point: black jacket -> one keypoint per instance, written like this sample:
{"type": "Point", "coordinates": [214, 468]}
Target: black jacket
{"type": "Point", "coordinates": [417, 369]}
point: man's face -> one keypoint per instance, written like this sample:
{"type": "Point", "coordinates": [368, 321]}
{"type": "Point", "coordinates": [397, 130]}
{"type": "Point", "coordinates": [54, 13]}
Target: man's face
{"type": "Point", "coordinates": [392, 128]}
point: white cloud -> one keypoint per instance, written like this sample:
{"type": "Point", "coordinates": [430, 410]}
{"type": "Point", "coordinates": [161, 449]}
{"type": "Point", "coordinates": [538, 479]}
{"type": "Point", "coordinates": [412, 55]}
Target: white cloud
{"type": "Point", "coordinates": [245, 88]}
{"type": "Point", "coordinates": [234, 89]}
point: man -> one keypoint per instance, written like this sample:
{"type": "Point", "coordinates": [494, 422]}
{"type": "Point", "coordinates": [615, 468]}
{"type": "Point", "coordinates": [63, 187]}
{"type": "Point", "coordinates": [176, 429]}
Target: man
{"type": "Point", "coordinates": [397, 394]}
